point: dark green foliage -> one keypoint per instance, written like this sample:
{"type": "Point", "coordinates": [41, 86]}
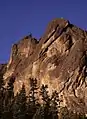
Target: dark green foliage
{"type": "Point", "coordinates": [50, 104]}
{"type": "Point", "coordinates": [10, 88]}
{"type": "Point", "coordinates": [19, 107]}
{"type": "Point", "coordinates": [39, 113]}
{"type": "Point", "coordinates": [33, 92]}
{"type": "Point", "coordinates": [44, 94]}
{"type": "Point", "coordinates": [28, 107]}
{"type": "Point", "coordinates": [8, 96]}
{"type": "Point", "coordinates": [32, 104]}
{"type": "Point", "coordinates": [46, 101]}
{"type": "Point", "coordinates": [69, 114]}
{"type": "Point", "coordinates": [55, 105]}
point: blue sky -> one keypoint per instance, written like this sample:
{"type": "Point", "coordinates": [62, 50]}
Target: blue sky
{"type": "Point", "coordinates": [20, 17]}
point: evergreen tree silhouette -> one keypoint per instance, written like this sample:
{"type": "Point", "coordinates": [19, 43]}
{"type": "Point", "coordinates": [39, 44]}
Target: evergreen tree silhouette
{"type": "Point", "coordinates": [1, 94]}
{"type": "Point", "coordinates": [8, 99]}
{"type": "Point", "coordinates": [33, 92]}
{"type": "Point", "coordinates": [50, 103]}
{"type": "Point", "coordinates": [10, 88]}
{"type": "Point", "coordinates": [46, 102]}
{"type": "Point", "coordinates": [33, 104]}
{"type": "Point", "coordinates": [19, 107]}
{"type": "Point", "coordinates": [44, 94]}
{"type": "Point", "coordinates": [54, 105]}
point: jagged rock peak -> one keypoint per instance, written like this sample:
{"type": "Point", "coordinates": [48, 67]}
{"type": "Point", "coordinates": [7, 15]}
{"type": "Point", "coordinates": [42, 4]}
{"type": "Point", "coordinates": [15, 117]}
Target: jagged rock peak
{"type": "Point", "coordinates": [57, 22]}
{"type": "Point", "coordinates": [23, 46]}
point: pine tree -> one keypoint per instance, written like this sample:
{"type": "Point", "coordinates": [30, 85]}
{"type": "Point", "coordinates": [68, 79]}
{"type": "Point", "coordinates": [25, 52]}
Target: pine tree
{"type": "Point", "coordinates": [33, 92]}
{"type": "Point", "coordinates": [19, 107]}
{"type": "Point", "coordinates": [8, 99]}
{"type": "Point", "coordinates": [46, 102]}
{"type": "Point", "coordinates": [33, 104]}
{"type": "Point", "coordinates": [50, 103]}
{"type": "Point", "coordinates": [55, 105]}
{"type": "Point", "coordinates": [10, 88]}
{"type": "Point", "coordinates": [44, 94]}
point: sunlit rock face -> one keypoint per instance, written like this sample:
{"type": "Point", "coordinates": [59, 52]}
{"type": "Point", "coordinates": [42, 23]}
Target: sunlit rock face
{"type": "Point", "coordinates": [59, 60]}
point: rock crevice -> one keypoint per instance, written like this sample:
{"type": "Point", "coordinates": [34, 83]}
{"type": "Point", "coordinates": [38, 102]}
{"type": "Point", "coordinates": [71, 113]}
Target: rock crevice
{"type": "Point", "coordinates": [59, 60]}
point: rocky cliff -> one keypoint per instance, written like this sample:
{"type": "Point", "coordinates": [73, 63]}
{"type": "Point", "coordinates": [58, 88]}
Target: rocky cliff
{"type": "Point", "coordinates": [58, 59]}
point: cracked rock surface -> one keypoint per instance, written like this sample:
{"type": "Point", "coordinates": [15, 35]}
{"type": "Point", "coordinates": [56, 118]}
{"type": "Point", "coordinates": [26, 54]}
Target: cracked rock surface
{"type": "Point", "coordinates": [59, 60]}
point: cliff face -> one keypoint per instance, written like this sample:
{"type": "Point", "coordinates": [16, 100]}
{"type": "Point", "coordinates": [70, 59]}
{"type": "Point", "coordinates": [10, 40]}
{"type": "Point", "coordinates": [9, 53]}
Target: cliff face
{"type": "Point", "coordinates": [59, 59]}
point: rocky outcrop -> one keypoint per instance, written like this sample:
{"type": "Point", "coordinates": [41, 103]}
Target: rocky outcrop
{"type": "Point", "coordinates": [59, 60]}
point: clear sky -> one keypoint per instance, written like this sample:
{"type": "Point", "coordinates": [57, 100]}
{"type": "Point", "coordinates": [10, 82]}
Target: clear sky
{"type": "Point", "coordinates": [19, 17]}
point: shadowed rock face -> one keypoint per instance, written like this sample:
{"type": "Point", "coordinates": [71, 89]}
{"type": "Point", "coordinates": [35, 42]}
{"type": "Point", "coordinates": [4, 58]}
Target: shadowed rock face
{"type": "Point", "coordinates": [59, 59]}
{"type": "Point", "coordinates": [3, 69]}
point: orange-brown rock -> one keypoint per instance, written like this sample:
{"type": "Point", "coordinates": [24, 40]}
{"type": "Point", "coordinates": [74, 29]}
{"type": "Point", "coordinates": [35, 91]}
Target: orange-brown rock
{"type": "Point", "coordinates": [59, 59]}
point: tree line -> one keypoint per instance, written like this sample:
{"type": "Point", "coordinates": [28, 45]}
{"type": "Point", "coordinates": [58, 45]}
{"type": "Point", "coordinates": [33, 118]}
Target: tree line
{"type": "Point", "coordinates": [37, 105]}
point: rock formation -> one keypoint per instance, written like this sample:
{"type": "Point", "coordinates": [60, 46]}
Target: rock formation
{"type": "Point", "coordinates": [58, 59]}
